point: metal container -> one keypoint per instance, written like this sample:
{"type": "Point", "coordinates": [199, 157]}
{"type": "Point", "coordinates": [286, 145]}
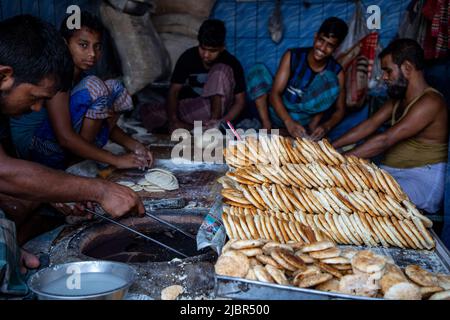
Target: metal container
{"type": "Point", "coordinates": [437, 260]}
{"type": "Point", "coordinates": [41, 281]}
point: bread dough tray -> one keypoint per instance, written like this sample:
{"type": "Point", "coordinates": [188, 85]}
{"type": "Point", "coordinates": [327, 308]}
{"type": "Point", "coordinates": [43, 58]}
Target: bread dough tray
{"type": "Point", "coordinates": [437, 260]}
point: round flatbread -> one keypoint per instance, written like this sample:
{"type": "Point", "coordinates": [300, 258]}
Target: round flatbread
{"type": "Point", "coordinates": [337, 260]}
{"type": "Point", "coordinates": [444, 295]}
{"type": "Point", "coordinates": [357, 284]}
{"type": "Point", "coordinates": [369, 262]}
{"type": "Point", "coordinates": [317, 246]}
{"type": "Point", "coordinates": [277, 275]}
{"type": "Point", "coordinates": [275, 254]}
{"type": "Point", "coordinates": [126, 183]}
{"type": "Point", "coordinates": [329, 286]}
{"type": "Point", "coordinates": [314, 280]}
{"type": "Point", "coordinates": [162, 178]}
{"type": "Point", "coordinates": [251, 252]}
{"type": "Point", "coordinates": [137, 188]}
{"type": "Point", "coordinates": [262, 274]}
{"type": "Point", "coordinates": [232, 264]}
{"type": "Point", "coordinates": [421, 277]}
{"type": "Point", "coordinates": [265, 260]}
{"type": "Point", "coordinates": [327, 253]}
{"type": "Point", "coordinates": [403, 291]}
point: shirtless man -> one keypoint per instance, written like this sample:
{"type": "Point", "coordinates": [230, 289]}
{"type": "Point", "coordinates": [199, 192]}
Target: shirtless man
{"type": "Point", "coordinates": [32, 70]}
{"type": "Point", "coordinates": [415, 146]}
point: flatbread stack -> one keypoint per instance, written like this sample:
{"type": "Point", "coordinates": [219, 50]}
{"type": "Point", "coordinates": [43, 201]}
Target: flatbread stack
{"type": "Point", "coordinates": [352, 229]}
{"type": "Point", "coordinates": [345, 199]}
{"type": "Point", "coordinates": [321, 265]}
{"type": "Point", "coordinates": [155, 180]}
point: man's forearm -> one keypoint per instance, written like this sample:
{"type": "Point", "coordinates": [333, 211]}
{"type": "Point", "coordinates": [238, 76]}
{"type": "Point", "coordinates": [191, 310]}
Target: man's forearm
{"type": "Point", "coordinates": [34, 182]}
{"type": "Point", "coordinates": [353, 136]}
{"type": "Point", "coordinates": [82, 148]}
{"type": "Point", "coordinates": [372, 147]}
{"type": "Point", "coordinates": [335, 118]}
{"type": "Point", "coordinates": [315, 121]}
{"type": "Point", "coordinates": [120, 137]}
{"type": "Point", "coordinates": [280, 109]}
{"type": "Point", "coordinates": [234, 112]}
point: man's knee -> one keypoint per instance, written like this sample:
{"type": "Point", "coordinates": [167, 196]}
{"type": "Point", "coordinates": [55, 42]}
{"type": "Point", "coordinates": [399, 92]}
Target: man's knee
{"type": "Point", "coordinates": [222, 69]}
{"type": "Point", "coordinates": [153, 115]}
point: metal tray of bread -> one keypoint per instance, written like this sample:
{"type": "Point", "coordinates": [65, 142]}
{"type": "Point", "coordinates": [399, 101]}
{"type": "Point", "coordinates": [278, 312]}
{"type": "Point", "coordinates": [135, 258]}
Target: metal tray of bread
{"type": "Point", "coordinates": [437, 260]}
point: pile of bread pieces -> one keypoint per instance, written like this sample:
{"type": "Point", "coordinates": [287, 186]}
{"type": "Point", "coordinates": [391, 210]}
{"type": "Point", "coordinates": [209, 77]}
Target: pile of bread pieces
{"type": "Point", "coordinates": [323, 266]}
{"type": "Point", "coordinates": [277, 186]}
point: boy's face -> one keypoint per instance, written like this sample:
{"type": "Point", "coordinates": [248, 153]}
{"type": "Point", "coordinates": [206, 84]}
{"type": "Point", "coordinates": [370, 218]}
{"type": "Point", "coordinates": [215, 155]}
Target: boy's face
{"type": "Point", "coordinates": [24, 97]}
{"type": "Point", "coordinates": [323, 46]}
{"type": "Point", "coordinates": [209, 54]}
{"type": "Point", "coordinates": [85, 46]}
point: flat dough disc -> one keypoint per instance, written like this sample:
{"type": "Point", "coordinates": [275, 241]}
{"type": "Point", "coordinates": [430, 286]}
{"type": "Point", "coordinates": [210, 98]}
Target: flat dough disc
{"type": "Point", "coordinates": [137, 188]}
{"type": "Point", "coordinates": [128, 184]}
{"type": "Point", "coordinates": [152, 188]}
{"type": "Point", "coordinates": [162, 178]}
{"type": "Point", "coordinates": [144, 182]}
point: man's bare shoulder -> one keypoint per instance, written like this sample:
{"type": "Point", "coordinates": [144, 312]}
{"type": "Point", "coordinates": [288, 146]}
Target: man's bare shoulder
{"type": "Point", "coordinates": [433, 101]}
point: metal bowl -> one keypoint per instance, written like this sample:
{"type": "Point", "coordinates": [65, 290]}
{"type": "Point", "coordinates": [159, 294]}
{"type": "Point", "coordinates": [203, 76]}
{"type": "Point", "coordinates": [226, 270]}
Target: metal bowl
{"type": "Point", "coordinates": [82, 275]}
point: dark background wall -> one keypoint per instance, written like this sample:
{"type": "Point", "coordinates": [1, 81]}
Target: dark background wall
{"type": "Point", "coordinates": [248, 37]}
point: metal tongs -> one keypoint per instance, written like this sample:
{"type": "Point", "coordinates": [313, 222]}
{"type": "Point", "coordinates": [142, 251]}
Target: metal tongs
{"type": "Point", "coordinates": [168, 224]}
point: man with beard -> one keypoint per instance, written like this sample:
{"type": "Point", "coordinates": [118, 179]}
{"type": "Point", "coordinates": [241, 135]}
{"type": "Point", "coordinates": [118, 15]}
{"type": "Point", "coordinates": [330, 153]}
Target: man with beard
{"type": "Point", "coordinates": [34, 64]}
{"type": "Point", "coordinates": [415, 146]}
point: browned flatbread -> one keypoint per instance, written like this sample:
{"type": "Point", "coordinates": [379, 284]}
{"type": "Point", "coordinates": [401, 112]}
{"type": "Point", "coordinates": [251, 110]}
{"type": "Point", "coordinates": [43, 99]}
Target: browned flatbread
{"type": "Point", "coordinates": [292, 259]}
{"type": "Point", "coordinates": [329, 269]}
{"type": "Point", "coordinates": [318, 246]}
{"type": "Point", "coordinates": [327, 253]}
{"type": "Point", "coordinates": [421, 276]}
{"type": "Point", "coordinates": [232, 263]}
{"type": "Point", "coordinates": [403, 291]}
{"type": "Point", "coordinates": [368, 262]}
{"type": "Point", "coordinates": [268, 260]}
{"type": "Point", "coordinates": [329, 286]}
{"type": "Point", "coordinates": [247, 244]}
{"type": "Point", "coordinates": [314, 280]}
{"type": "Point", "coordinates": [277, 275]}
{"type": "Point", "coordinates": [262, 274]}
{"type": "Point", "coordinates": [251, 252]}
{"type": "Point", "coordinates": [276, 256]}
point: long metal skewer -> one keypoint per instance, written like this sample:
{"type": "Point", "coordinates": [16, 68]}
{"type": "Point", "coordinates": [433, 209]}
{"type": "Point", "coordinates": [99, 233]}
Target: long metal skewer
{"type": "Point", "coordinates": [164, 222]}
{"type": "Point", "coordinates": [136, 232]}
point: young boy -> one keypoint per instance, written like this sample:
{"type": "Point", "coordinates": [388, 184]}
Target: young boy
{"type": "Point", "coordinates": [308, 82]}
{"type": "Point", "coordinates": [207, 85]}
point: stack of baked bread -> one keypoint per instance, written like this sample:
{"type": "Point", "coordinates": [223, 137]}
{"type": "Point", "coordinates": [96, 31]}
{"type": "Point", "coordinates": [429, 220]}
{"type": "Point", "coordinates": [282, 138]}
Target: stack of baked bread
{"type": "Point", "coordinates": [323, 266]}
{"type": "Point", "coordinates": [343, 199]}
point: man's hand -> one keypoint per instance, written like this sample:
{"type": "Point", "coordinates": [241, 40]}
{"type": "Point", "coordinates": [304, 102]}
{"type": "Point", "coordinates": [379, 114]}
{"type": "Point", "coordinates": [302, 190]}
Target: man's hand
{"type": "Point", "coordinates": [318, 133]}
{"type": "Point", "coordinates": [129, 161]}
{"type": "Point", "coordinates": [144, 154]}
{"type": "Point", "coordinates": [74, 209]}
{"type": "Point", "coordinates": [118, 200]}
{"type": "Point", "coordinates": [295, 129]}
